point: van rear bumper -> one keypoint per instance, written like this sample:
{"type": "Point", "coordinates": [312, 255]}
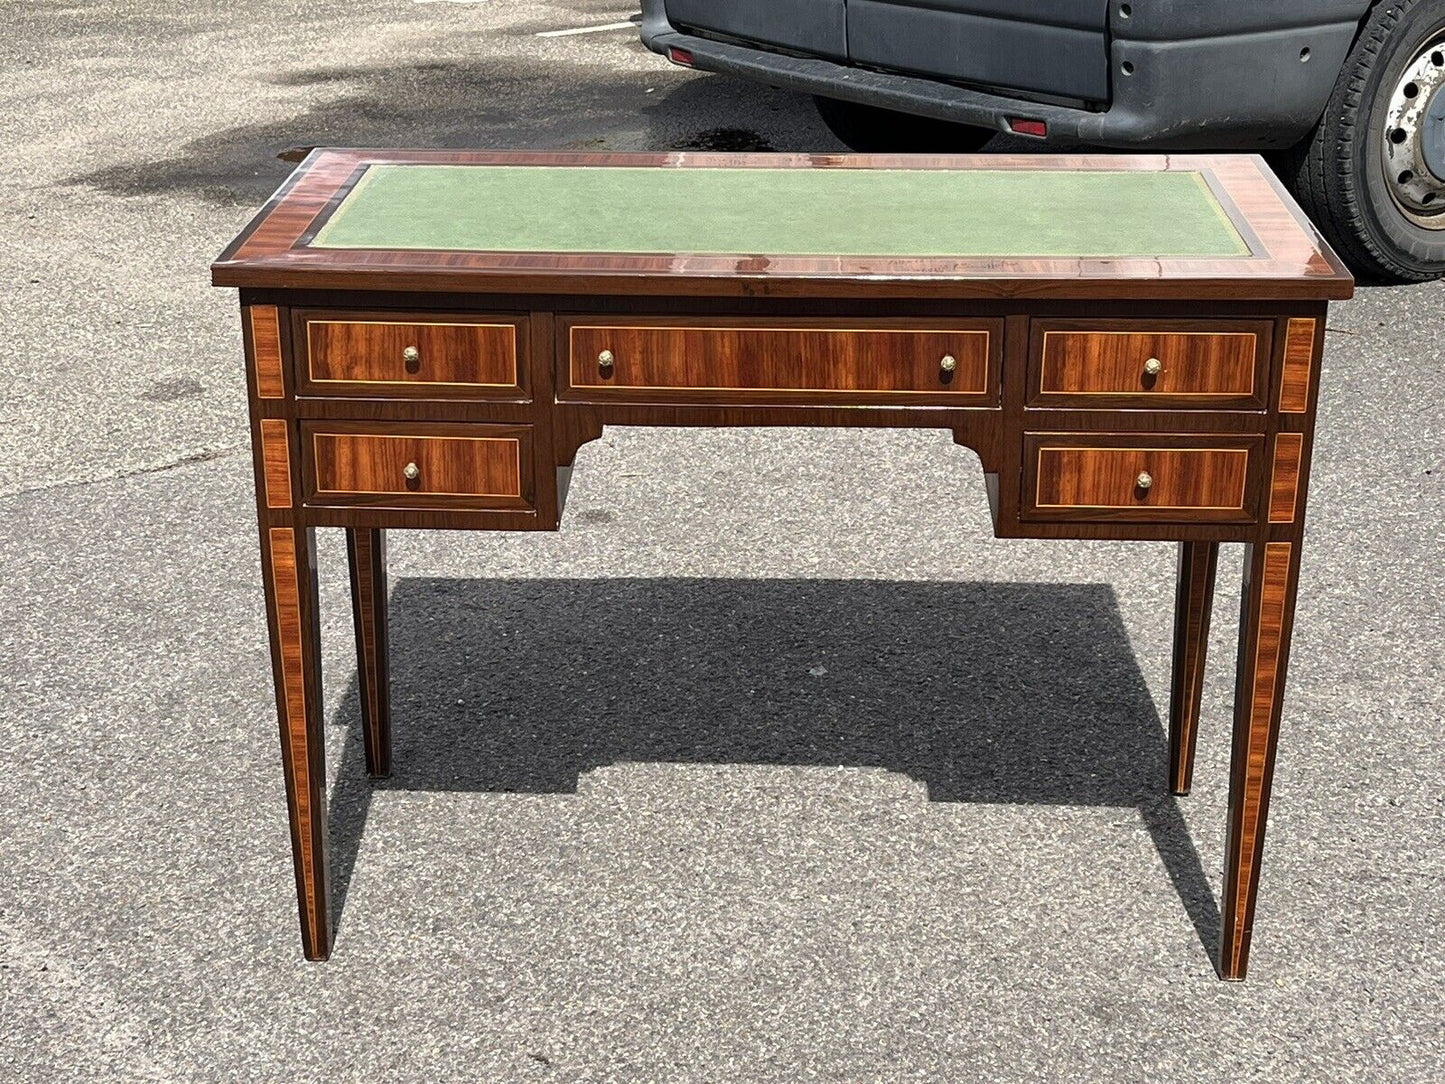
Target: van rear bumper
{"type": "Point", "coordinates": [1247, 91]}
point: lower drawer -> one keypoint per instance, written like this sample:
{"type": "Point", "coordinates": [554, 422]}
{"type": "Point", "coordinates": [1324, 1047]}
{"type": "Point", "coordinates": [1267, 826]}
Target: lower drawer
{"type": "Point", "coordinates": [1142, 477]}
{"type": "Point", "coordinates": [418, 465]}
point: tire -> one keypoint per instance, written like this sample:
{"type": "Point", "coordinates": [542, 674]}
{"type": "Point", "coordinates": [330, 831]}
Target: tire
{"type": "Point", "coordinates": [872, 130]}
{"type": "Point", "coordinates": [1340, 173]}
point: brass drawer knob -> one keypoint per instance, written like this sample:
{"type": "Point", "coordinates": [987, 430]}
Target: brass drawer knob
{"type": "Point", "coordinates": [411, 356]}
{"type": "Point", "coordinates": [605, 359]}
{"type": "Point", "coordinates": [412, 472]}
{"type": "Point", "coordinates": [1145, 481]}
{"type": "Point", "coordinates": [1153, 367]}
{"type": "Point", "coordinates": [948, 363]}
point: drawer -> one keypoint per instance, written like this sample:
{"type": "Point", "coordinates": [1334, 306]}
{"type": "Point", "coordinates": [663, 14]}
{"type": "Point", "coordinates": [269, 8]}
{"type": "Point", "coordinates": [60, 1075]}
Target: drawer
{"type": "Point", "coordinates": [408, 355]}
{"type": "Point", "coordinates": [805, 361]}
{"type": "Point", "coordinates": [418, 465]}
{"type": "Point", "coordinates": [1154, 363]}
{"type": "Point", "coordinates": [1142, 477]}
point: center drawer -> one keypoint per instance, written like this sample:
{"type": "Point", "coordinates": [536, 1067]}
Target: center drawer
{"type": "Point", "coordinates": [417, 465]}
{"type": "Point", "coordinates": [1212, 364]}
{"type": "Point", "coordinates": [914, 361]}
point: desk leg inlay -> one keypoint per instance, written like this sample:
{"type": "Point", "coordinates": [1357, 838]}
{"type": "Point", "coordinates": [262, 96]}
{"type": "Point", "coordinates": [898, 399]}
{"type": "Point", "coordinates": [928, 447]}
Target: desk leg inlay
{"type": "Point", "coordinates": [1194, 598]}
{"type": "Point", "coordinates": [295, 636]}
{"type": "Point", "coordinates": [1268, 607]}
{"type": "Point", "coordinates": [366, 548]}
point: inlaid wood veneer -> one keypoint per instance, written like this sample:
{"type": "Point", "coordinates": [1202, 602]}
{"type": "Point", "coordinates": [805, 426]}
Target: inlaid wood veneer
{"type": "Point", "coordinates": [1159, 364]}
{"type": "Point", "coordinates": [305, 784]}
{"type": "Point", "coordinates": [1264, 648]}
{"type": "Point", "coordinates": [266, 351]}
{"type": "Point", "coordinates": [366, 552]}
{"type": "Point", "coordinates": [798, 361]}
{"type": "Point", "coordinates": [1161, 479]}
{"type": "Point", "coordinates": [478, 465]}
{"type": "Point", "coordinates": [396, 354]}
{"type": "Point", "coordinates": [276, 458]}
{"type": "Point", "coordinates": [1299, 355]}
{"type": "Point", "coordinates": [1284, 483]}
{"type": "Point", "coordinates": [1193, 603]}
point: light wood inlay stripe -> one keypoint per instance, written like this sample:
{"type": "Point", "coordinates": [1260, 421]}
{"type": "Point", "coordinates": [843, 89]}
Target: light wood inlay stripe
{"type": "Point", "coordinates": [266, 351]}
{"type": "Point", "coordinates": [289, 633]}
{"type": "Point", "coordinates": [276, 459]}
{"type": "Point", "coordinates": [1274, 593]}
{"type": "Point", "coordinates": [1284, 486]}
{"type": "Point", "coordinates": [1299, 354]}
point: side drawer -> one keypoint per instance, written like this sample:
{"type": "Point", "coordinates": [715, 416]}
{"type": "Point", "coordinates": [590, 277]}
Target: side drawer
{"type": "Point", "coordinates": [409, 355]}
{"type": "Point", "coordinates": [417, 465]}
{"type": "Point", "coordinates": [712, 360]}
{"type": "Point", "coordinates": [1215, 364]}
{"type": "Point", "coordinates": [1142, 477]}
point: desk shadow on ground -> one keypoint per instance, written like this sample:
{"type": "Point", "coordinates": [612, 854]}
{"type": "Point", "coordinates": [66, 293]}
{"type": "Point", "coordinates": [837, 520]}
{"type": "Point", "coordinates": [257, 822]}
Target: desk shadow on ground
{"type": "Point", "coordinates": [486, 103]}
{"type": "Point", "coordinates": [985, 692]}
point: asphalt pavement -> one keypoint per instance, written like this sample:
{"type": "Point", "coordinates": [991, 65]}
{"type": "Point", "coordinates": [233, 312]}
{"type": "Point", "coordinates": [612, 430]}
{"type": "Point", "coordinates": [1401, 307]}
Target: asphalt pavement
{"type": "Point", "coordinates": [743, 775]}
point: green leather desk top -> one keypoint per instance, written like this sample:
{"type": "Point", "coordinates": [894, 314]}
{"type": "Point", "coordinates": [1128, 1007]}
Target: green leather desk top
{"type": "Point", "coordinates": [1017, 213]}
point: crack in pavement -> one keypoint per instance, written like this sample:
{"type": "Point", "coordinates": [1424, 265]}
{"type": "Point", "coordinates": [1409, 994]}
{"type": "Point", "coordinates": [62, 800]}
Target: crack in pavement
{"type": "Point", "coordinates": [205, 455]}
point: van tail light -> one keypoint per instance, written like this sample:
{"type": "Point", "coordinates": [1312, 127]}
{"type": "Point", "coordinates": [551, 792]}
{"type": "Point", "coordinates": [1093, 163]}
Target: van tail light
{"type": "Point", "coordinates": [1025, 126]}
{"type": "Point", "coordinates": [679, 56]}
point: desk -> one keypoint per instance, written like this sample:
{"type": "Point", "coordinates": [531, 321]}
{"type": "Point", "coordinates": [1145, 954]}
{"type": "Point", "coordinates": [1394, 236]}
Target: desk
{"type": "Point", "coordinates": [1129, 345]}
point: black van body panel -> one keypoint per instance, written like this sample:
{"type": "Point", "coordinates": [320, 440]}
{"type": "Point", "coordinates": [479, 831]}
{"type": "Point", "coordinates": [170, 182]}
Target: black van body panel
{"type": "Point", "coordinates": [1183, 74]}
{"type": "Point", "coordinates": [969, 40]}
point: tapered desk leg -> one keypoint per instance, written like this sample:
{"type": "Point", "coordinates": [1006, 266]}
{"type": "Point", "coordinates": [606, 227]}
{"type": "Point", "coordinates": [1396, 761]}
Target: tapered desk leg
{"type": "Point", "coordinates": [1267, 612]}
{"type": "Point", "coordinates": [289, 569]}
{"type": "Point", "coordinates": [366, 547]}
{"type": "Point", "coordinates": [1193, 601]}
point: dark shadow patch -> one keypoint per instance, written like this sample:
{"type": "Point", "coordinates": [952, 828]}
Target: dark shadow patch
{"type": "Point", "coordinates": [997, 693]}
{"type": "Point", "coordinates": [485, 104]}
{"type": "Point", "coordinates": [725, 139]}
{"type": "Point", "coordinates": [170, 391]}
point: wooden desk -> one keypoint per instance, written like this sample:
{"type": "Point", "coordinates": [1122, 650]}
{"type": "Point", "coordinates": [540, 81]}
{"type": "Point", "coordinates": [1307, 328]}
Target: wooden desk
{"type": "Point", "coordinates": [1130, 345]}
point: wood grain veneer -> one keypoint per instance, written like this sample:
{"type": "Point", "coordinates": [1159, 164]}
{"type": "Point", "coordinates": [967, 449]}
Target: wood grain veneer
{"type": "Point", "coordinates": [1285, 478]}
{"type": "Point", "coordinates": [1193, 604]}
{"type": "Point", "coordinates": [366, 556]}
{"type": "Point", "coordinates": [1216, 365]}
{"type": "Point", "coordinates": [1264, 643]}
{"type": "Point", "coordinates": [1299, 355]}
{"type": "Point", "coordinates": [304, 761]}
{"type": "Point", "coordinates": [1095, 476]}
{"type": "Point", "coordinates": [805, 361]}
{"type": "Point", "coordinates": [365, 353]}
{"type": "Point", "coordinates": [480, 466]}
{"type": "Point", "coordinates": [1287, 262]}
{"type": "Point", "coordinates": [265, 323]}
{"type": "Point", "coordinates": [276, 456]}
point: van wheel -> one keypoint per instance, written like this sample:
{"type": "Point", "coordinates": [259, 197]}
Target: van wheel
{"type": "Point", "coordinates": [872, 130]}
{"type": "Point", "coordinates": [1373, 174]}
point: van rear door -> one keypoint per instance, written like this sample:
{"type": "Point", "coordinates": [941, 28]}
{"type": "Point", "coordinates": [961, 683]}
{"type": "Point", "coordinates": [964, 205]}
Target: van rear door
{"type": "Point", "coordinates": [1050, 47]}
{"type": "Point", "coordinates": [815, 27]}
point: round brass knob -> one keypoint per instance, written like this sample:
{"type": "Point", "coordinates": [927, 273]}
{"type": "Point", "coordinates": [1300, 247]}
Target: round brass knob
{"type": "Point", "coordinates": [411, 355]}
{"type": "Point", "coordinates": [605, 359]}
{"type": "Point", "coordinates": [1153, 367]}
{"type": "Point", "coordinates": [1145, 480]}
{"type": "Point", "coordinates": [948, 363]}
{"type": "Point", "coordinates": [412, 472]}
